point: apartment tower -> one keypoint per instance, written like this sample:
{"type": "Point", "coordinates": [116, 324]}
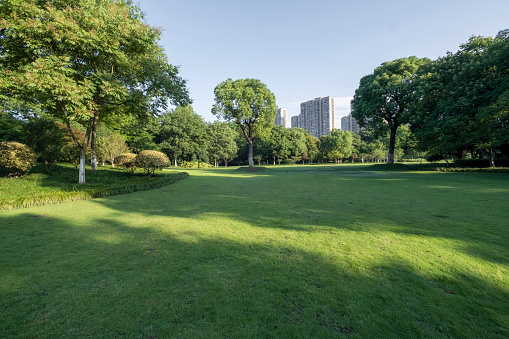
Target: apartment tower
{"type": "Point", "coordinates": [316, 116]}
{"type": "Point", "coordinates": [281, 117]}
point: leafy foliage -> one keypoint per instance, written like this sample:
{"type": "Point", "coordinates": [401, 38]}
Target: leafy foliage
{"type": "Point", "coordinates": [151, 161]}
{"type": "Point", "coordinates": [126, 160]}
{"type": "Point", "coordinates": [250, 104]}
{"type": "Point", "coordinates": [383, 98]}
{"type": "Point", "coordinates": [81, 61]}
{"type": "Point", "coordinates": [46, 138]}
{"type": "Point", "coordinates": [16, 159]}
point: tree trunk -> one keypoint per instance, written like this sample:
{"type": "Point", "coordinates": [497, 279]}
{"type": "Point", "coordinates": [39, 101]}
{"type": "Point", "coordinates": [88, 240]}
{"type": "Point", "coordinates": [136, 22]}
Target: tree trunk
{"type": "Point", "coordinates": [250, 154]}
{"type": "Point", "coordinates": [83, 155]}
{"type": "Point", "coordinates": [492, 157]}
{"type": "Point", "coordinates": [392, 144]}
{"type": "Point", "coordinates": [93, 138]}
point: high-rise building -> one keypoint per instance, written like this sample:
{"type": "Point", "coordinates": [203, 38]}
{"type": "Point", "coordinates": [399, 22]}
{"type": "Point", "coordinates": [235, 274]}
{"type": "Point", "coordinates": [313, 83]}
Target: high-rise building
{"type": "Point", "coordinates": [295, 121]}
{"type": "Point", "coordinates": [281, 117]}
{"type": "Point", "coordinates": [349, 123]}
{"type": "Point", "coordinates": [316, 116]}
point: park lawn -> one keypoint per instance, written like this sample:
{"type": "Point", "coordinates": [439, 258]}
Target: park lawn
{"type": "Point", "coordinates": [294, 252]}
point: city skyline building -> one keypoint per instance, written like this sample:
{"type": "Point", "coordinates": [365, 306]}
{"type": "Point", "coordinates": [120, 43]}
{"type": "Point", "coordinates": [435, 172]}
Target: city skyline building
{"type": "Point", "coordinates": [349, 123]}
{"type": "Point", "coordinates": [281, 117]}
{"type": "Point", "coordinates": [316, 116]}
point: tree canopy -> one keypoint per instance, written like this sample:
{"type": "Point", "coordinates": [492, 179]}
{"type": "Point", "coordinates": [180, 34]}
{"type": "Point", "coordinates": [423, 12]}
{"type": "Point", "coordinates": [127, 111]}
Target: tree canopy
{"type": "Point", "coordinates": [250, 104]}
{"type": "Point", "coordinates": [383, 98]}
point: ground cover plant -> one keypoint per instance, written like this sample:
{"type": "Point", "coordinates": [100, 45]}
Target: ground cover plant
{"type": "Point", "coordinates": [42, 187]}
{"type": "Point", "coordinates": [291, 252]}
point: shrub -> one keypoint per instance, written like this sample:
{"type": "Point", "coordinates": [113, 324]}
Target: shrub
{"type": "Point", "coordinates": [126, 160]}
{"type": "Point", "coordinates": [151, 161]}
{"type": "Point", "coordinates": [16, 159]}
{"type": "Point", "coordinates": [195, 164]}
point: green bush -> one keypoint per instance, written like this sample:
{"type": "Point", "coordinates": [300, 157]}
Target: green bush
{"type": "Point", "coordinates": [195, 164]}
{"type": "Point", "coordinates": [151, 161]}
{"type": "Point", "coordinates": [16, 159]}
{"type": "Point", "coordinates": [126, 160]}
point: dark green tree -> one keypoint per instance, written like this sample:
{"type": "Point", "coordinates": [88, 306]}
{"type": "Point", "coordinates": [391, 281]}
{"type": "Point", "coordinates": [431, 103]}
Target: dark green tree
{"type": "Point", "coordinates": [383, 98]}
{"type": "Point", "coordinates": [182, 134]}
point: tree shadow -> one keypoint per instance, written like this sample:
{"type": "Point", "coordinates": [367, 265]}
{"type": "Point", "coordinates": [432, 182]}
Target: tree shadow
{"type": "Point", "coordinates": [110, 276]}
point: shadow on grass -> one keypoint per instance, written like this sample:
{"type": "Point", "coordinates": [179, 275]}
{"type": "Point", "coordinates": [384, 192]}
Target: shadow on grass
{"type": "Point", "coordinates": [436, 206]}
{"type": "Point", "coordinates": [105, 278]}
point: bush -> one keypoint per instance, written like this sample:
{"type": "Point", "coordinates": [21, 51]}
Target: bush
{"type": "Point", "coordinates": [195, 164]}
{"type": "Point", "coordinates": [151, 161]}
{"type": "Point", "coordinates": [126, 160]}
{"type": "Point", "coordinates": [16, 159]}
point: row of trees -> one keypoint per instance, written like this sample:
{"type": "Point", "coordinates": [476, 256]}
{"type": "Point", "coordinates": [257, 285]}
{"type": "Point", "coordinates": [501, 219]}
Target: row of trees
{"type": "Point", "coordinates": [457, 105]}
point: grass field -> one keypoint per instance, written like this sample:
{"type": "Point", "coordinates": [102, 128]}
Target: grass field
{"type": "Point", "coordinates": [294, 252]}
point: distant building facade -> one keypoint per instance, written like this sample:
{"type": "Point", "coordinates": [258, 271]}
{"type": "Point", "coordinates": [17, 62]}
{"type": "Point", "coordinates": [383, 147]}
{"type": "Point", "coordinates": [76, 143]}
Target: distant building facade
{"type": "Point", "coordinates": [349, 123]}
{"type": "Point", "coordinates": [281, 117]}
{"type": "Point", "coordinates": [316, 116]}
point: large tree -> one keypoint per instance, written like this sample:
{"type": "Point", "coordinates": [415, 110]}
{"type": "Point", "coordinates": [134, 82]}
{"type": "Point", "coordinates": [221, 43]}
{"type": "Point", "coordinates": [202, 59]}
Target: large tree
{"type": "Point", "coordinates": [250, 104]}
{"type": "Point", "coordinates": [463, 101]}
{"type": "Point", "coordinates": [383, 98]}
{"type": "Point", "coordinates": [182, 134]}
{"type": "Point", "coordinates": [84, 60]}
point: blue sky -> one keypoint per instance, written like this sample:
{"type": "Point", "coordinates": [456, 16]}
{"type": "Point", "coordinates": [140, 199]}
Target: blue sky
{"type": "Point", "coordinates": [307, 49]}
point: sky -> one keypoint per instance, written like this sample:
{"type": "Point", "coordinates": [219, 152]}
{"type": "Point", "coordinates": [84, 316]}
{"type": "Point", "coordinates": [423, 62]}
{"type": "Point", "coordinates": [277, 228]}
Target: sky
{"type": "Point", "coordinates": [308, 49]}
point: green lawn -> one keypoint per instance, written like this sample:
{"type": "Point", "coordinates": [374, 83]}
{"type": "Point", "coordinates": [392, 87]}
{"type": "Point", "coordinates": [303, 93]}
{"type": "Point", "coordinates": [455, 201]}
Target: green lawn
{"type": "Point", "coordinates": [293, 252]}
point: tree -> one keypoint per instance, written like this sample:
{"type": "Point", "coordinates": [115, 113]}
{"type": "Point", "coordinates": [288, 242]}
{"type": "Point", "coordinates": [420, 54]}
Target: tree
{"type": "Point", "coordinates": [85, 60]}
{"type": "Point", "coordinates": [182, 134]}
{"type": "Point", "coordinates": [221, 142]}
{"type": "Point", "coordinates": [279, 144]}
{"type": "Point", "coordinates": [46, 139]}
{"type": "Point", "coordinates": [337, 144]}
{"type": "Point", "coordinates": [463, 101]}
{"type": "Point", "coordinates": [383, 98]}
{"type": "Point", "coordinates": [109, 145]}
{"type": "Point", "coordinates": [250, 104]}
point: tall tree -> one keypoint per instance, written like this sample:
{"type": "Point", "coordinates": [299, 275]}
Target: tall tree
{"type": "Point", "coordinates": [383, 98]}
{"type": "Point", "coordinates": [85, 60]}
{"type": "Point", "coordinates": [464, 100]}
{"type": "Point", "coordinates": [250, 104]}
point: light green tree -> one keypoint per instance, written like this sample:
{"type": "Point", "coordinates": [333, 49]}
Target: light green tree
{"type": "Point", "coordinates": [337, 145]}
{"type": "Point", "coordinates": [250, 104]}
{"type": "Point", "coordinates": [221, 142]}
{"type": "Point", "coordinates": [84, 60]}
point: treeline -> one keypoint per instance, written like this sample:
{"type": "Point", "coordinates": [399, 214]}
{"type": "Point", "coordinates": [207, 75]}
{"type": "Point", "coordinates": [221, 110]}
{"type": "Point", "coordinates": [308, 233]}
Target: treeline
{"type": "Point", "coordinates": [457, 106]}
{"type": "Point", "coordinates": [189, 141]}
